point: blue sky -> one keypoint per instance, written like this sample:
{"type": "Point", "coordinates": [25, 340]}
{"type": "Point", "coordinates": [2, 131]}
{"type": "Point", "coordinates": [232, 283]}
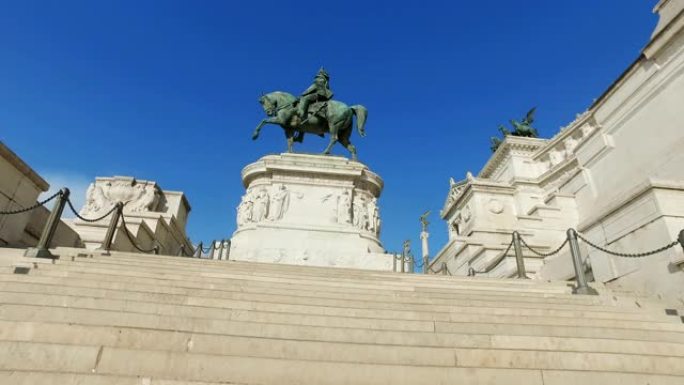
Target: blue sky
{"type": "Point", "coordinates": [167, 90]}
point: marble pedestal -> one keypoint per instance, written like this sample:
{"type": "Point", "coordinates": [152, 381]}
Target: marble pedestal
{"type": "Point", "coordinates": [310, 210]}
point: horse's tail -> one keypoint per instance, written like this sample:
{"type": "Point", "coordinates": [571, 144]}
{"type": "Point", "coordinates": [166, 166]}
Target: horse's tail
{"type": "Point", "coordinates": [361, 114]}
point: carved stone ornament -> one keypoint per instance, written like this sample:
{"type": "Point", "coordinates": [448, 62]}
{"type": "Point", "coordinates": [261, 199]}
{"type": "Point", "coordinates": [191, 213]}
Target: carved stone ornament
{"type": "Point", "coordinates": [467, 214]}
{"type": "Point", "coordinates": [495, 206]}
{"type": "Point", "coordinates": [138, 196]}
{"type": "Point", "coordinates": [280, 202]}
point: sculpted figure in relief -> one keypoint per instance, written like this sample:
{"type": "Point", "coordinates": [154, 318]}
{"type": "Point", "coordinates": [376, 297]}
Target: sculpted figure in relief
{"type": "Point", "coordinates": [261, 202]}
{"type": "Point", "coordinates": [95, 200]}
{"type": "Point", "coordinates": [360, 209]}
{"type": "Point", "coordinates": [244, 211]}
{"type": "Point", "coordinates": [374, 216]}
{"type": "Point", "coordinates": [279, 203]}
{"type": "Point", "coordinates": [570, 144]}
{"type": "Point", "coordinates": [146, 200]}
{"type": "Point", "coordinates": [344, 208]}
{"type": "Point", "coordinates": [555, 157]}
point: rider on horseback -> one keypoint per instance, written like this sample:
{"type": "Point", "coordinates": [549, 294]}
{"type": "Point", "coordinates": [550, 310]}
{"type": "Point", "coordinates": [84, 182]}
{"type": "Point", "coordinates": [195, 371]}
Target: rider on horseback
{"type": "Point", "coordinates": [319, 91]}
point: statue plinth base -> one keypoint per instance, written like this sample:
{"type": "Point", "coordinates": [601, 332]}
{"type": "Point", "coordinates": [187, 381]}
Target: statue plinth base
{"type": "Point", "coordinates": [310, 210]}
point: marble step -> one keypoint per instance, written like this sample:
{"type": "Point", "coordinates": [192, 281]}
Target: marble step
{"type": "Point", "coordinates": [367, 283]}
{"type": "Point", "coordinates": [13, 284]}
{"type": "Point", "coordinates": [29, 377]}
{"type": "Point", "coordinates": [218, 280]}
{"type": "Point", "coordinates": [18, 312]}
{"type": "Point", "coordinates": [465, 365]}
{"type": "Point", "coordinates": [221, 309]}
{"type": "Point", "coordinates": [370, 351]}
{"type": "Point", "coordinates": [549, 377]}
{"type": "Point", "coordinates": [301, 271]}
{"type": "Point", "coordinates": [158, 292]}
{"type": "Point", "coordinates": [229, 287]}
{"type": "Point", "coordinates": [622, 300]}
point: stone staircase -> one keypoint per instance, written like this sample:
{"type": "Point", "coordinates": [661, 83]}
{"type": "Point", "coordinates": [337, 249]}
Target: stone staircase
{"type": "Point", "coordinates": [155, 320]}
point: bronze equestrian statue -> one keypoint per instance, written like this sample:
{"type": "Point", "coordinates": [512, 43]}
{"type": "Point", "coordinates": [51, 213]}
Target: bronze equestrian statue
{"type": "Point", "coordinates": [313, 112]}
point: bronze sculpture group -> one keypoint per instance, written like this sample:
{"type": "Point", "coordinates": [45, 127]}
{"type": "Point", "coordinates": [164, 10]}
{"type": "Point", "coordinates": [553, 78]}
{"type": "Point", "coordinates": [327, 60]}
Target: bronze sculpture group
{"type": "Point", "coordinates": [314, 111]}
{"type": "Point", "coordinates": [522, 128]}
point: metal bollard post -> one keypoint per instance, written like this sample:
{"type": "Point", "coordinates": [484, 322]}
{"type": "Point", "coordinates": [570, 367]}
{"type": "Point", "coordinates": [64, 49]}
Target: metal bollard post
{"type": "Point", "coordinates": [181, 251]}
{"type": "Point", "coordinates": [411, 262]}
{"type": "Point", "coordinates": [519, 261]}
{"type": "Point", "coordinates": [444, 268]}
{"type": "Point", "coordinates": [113, 223]}
{"type": "Point", "coordinates": [198, 251]}
{"type": "Point", "coordinates": [426, 261]}
{"type": "Point", "coordinates": [41, 249]}
{"type": "Point", "coordinates": [582, 287]}
{"type": "Point", "coordinates": [228, 243]}
{"type": "Point", "coordinates": [155, 250]}
{"type": "Point", "coordinates": [212, 248]}
{"type": "Point", "coordinates": [403, 263]}
{"type": "Point", "coordinates": [220, 250]}
{"type": "Point", "coordinates": [681, 239]}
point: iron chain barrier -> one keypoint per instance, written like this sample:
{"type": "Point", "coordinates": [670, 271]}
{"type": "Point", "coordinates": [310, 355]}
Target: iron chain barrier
{"type": "Point", "coordinates": [539, 253]}
{"type": "Point", "coordinates": [35, 206]}
{"type": "Point", "coordinates": [472, 272]}
{"type": "Point", "coordinates": [73, 211]}
{"type": "Point", "coordinates": [131, 239]}
{"type": "Point", "coordinates": [630, 255]}
{"type": "Point", "coordinates": [572, 237]}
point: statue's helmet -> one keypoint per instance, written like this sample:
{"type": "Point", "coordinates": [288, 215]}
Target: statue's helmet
{"type": "Point", "coordinates": [323, 74]}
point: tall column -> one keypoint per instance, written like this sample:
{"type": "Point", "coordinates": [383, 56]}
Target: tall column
{"type": "Point", "coordinates": [424, 235]}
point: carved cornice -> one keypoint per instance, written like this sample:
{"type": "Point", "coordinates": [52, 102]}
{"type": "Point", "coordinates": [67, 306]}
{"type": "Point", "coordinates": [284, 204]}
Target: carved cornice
{"type": "Point", "coordinates": [472, 186]}
{"type": "Point", "coordinates": [334, 168]}
{"type": "Point", "coordinates": [511, 144]}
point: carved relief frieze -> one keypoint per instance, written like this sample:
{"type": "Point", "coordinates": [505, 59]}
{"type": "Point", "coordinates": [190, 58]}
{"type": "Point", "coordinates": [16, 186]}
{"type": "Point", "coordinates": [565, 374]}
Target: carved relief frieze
{"type": "Point", "coordinates": [137, 196]}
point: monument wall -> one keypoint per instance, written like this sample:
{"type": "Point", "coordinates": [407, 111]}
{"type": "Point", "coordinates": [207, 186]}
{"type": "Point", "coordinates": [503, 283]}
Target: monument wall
{"type": "Point", "coordinates": [615, 174]}
{"type": "Point", "coordinates": [310, 210]}
{"type": "Point", "coordinates": [20, 187]}
{"type": "Point", "coordinates": [155, 217]}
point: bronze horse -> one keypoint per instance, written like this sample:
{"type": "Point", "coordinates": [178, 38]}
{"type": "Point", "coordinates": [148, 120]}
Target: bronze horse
{"type": "Point", "coordinates": [332, 117]}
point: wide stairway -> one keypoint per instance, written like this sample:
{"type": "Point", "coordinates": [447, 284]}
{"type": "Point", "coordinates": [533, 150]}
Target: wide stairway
{"type": "Point", "coordinates": [154, 320]}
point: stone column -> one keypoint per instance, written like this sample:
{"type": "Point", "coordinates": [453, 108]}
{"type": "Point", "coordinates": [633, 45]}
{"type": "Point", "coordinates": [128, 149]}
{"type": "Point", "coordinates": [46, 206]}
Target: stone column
{"type": "Point", "coordinates": [424, 235]}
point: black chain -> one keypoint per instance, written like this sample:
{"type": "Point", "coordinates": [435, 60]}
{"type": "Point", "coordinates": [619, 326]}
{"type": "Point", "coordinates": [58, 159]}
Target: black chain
{"type": "Point", "coordinates": [73, 210]}
{"type": "Point", "coordinates": [130, 237]}
{"type": "Point", "coordinates": [441, 269]}
{"type": "Point", "coordinates": [472, 271]}
{"type": "Point", "coordinates": [35, 206]}
{"type": "Point", "coordinates": [628, 255]}
{"type": "Point", "coordinates": [539, 253]}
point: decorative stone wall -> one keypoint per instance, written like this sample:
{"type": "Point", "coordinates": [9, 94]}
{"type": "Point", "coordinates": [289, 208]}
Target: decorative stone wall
{"type": "Point", "coordinates": [310, 210]}
{"type": "Point", "coordinates": [20, 186]}
{"type": "Point", "coordinates": [154, 216]}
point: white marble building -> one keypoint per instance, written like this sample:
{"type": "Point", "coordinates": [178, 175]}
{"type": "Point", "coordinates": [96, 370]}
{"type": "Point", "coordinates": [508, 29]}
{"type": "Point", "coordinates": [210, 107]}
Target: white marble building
{"type": "Point", "coordinates": [616, 174]}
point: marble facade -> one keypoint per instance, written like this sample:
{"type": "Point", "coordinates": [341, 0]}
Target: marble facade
{"type": "Point", "coordinates": [310, 210]}
{"type": "Point", "coordinates": [616, 174]}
